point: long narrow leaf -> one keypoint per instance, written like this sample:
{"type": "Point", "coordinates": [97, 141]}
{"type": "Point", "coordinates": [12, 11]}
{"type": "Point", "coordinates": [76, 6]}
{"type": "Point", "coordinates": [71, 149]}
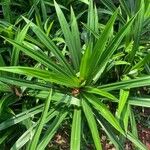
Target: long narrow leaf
{"type": "Point", "coordinates": [102, 93]}
{"type": "Point", "coordinates": [43, 74]}
{"type": "Point", "coordinates": [37, 55]}
{"type": "Point", "coordinates": [51, 131]}
{"type": "Point", "coordinates": [122, 101]}
{"type": "Point", "coordinates": [20, 117]}
{"type": "Point", "coordinates": [139, 101]}
{"type": "Point", "coordinates": [92, 124]}
{"type": "Point", "coordinates": [138, 143]}
{"type": "Point", "coordinates": [20, 37]}
{"type": "Point", "coordinates": [41, 123]}
{"type": "Point", "coordinates": [110, 132]}
{"type": "Point", "coordinates": [112, 46]}
{"type": "Point", "coordinates": [132, 83]}
{"type": "Point", "coordinates": [75, 53]}
{"type": "Point", "coordinates": [50, 45]}
{"type": "Point", "coordinates": [4, 87]}
{"type": "Point", "coordinates": [101, 42]}
{"type": "Point", "coordinates": [76, 130]}
{"type": "Point", "coordinates": [27, 135]}
{"type": "Point", "coordinates": [104, 112]}
{"type": "Point", "coordinates": [24, 83]}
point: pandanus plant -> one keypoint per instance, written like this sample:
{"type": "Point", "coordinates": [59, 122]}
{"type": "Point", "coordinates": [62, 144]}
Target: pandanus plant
{"type": "Point", "coordinates": [74, 85]}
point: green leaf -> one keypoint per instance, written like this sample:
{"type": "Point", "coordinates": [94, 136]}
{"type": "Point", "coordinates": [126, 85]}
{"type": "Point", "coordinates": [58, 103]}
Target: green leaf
{"type": "Point", "coordinates": [2, 63]}
{"type": "Point", "coordinates": [75, 35]}
{"type": "Point", "coordinates": [84, 67]}
{"type": "Point", "coordinates": [38, 131]}
{"type": "Point", "coordinates": [44, 75]}
{"type": "Point", "coordinates": [85, 1]}
{"type": "Point", "coordinates": [96, 35]}
{"type": "Point", "coordinates": [71, 38]}
{"type": "Point", "coordinates": [132, 83]}
{"type": "Point", "coordinates": [19, 39]}
{"type": "Point", "coordinates": [133, 123]}
{"type": "Point", "coordinates": [44, 11]}
{"type": "Point", "coordinates": [141, 63]}
{"type": "Point", "coordinates": [124, 93]}
{"type": "Point", "coordinates": [20, 117]}
{"type": "Point", "coordinates": [125, 7]}
{"type": "Point", "coordinates": [50, 46]}
{"type": "Point", "coordinates": [38, 17]}
{"type": "Point", "coordinates": [24, 138]}
{"type": "Point", "coordinates": [24, 83]}
{"type": "Point", "coordinates": [101, 93]}
{"type": "Point", "coordinates": [92, 21]}
{"type": "Point", "coordinates": [57, 96]}
{"type": "Point", "coordinates": [110, 132]}
{"type": "Point", "coordinates": [5, 136]}
{"type": "Point", "coordinates": [52, 4]}
{"type": "Point", "coordinates": [111, 48]}
{"type": "Point", "coordinates": [139, 101]}
{"type": "Point", "coordinates": [38, 55]}
{"type": "Point", "coordinates": [101, 43]}
{"type": "Point", "coordinates": [76, 130]}
{"type": "Point", "coordinates": [48, 28]}
{"type": "Point", "coordinates": [5, 102]}
{"type": "Point", "coordinates": [138, 143]}
{"type": "Point", "coordinates": [92, 124]}
{"type": "Point", "coordinates": [125, 116]}
{"type": "Point", "coordinates": [4, 87]}
{"type": "Point", "coordinates": [104, 112]}
{"type": "Point", "coordinates": [6, 10]}
{"type": "Point", "coordinates": [111, 6]}
{"type": "Point", "coordinates": [27, 135]}
{"type": "Point", "coordinates": [51, 130]}
{"type": "Point", "coordinates": [137, 28]}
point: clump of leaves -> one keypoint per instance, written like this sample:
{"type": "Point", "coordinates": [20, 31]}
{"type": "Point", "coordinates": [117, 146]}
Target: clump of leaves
{"type": "Point", "coordinates": [73, 85]}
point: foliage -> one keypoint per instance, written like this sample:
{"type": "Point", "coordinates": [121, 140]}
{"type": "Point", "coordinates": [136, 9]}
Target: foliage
{"type": "Point", "coordinates": [54, 73]}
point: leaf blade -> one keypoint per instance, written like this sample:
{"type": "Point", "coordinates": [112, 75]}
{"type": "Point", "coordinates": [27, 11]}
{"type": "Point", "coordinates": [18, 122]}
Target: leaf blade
{"type": "Point", "coordinates": [38, 131]}
{"type": "Point", "coordinates": [92, 124]}
{"type": "Point", "coordinates": [76, 130]}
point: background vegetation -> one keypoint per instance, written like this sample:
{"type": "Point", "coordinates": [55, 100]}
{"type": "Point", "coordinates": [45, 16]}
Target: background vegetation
{"type": "Point", "coordinates": [74, 69]}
